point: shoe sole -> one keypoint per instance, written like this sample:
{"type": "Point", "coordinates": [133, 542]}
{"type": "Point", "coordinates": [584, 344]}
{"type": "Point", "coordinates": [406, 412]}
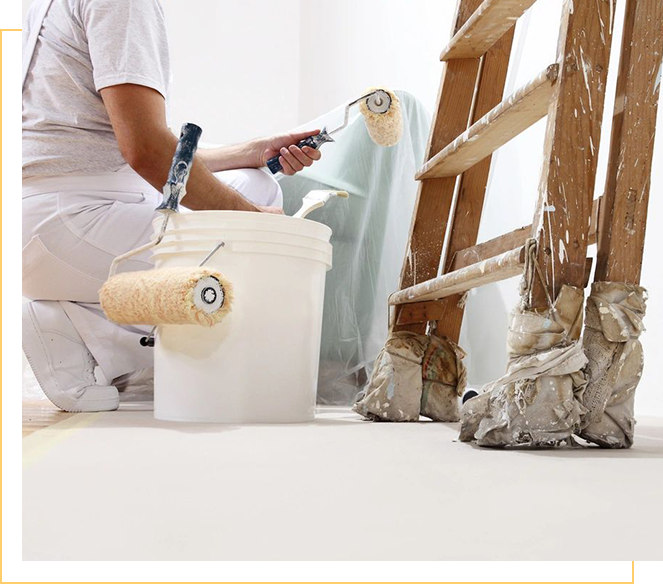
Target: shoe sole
{"type": "Point", "coordinates": [33, 338]}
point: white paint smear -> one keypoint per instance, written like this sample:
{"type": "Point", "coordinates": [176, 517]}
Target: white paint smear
{"type": "Point", "coordinates": [562, 252]}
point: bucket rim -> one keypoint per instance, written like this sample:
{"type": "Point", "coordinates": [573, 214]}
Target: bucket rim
{"type": "Point", "coordinates": [313, 255]}
{"type": "Point", "coordinates": [201, 244]}
{"type": "Point", "coordinates": [211, 233]}
{"type": "Point", "coordinates": [281, 223]}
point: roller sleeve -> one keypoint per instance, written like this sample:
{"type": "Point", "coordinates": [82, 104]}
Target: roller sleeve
{"type": "Point", "coordinates": [167, 296]}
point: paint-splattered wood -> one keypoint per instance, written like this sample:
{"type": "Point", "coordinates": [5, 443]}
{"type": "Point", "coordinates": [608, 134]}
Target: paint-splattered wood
{"type": "Point", "coordinates": [448, 312]}
{"type": "Point", "coordinates": [434, 197]}
{"type": "Point", "coordinates": [486, 26]}
{"type": "Point", "coordinates": [562, 217]}
{"type": "Point", "coordinates": [494, 269]}
{"type": "Point", "coordinates": [421, 312]}
{"type": "Point", "coordinates": [438, 310]}
{"type": "Point", "coordinates": [464, 227]}
{"type": "Point", "coordinates": [497, 245]}
{"type": "Point", "coordinates": [503, 123]}
{"type": "Point", "coordinates": [492, 247]}
{"type": "Point", "coordinates": [623, 220]}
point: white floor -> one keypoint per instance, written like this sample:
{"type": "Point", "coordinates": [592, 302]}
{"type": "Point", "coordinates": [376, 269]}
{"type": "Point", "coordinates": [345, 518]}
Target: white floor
{"type": "Point", "coordinates": [121, 485]}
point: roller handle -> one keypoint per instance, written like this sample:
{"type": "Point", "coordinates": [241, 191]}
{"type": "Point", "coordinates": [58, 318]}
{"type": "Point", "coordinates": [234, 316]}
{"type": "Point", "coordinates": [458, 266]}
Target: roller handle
{"type": "Point", "coordinates": [312, 141]}
{"type": "Point", "coordinates": [275, 166]}
{"type": "Point", "coordinates": [178, 174]}
{"type": "Point", "coordinates": [186, 148]}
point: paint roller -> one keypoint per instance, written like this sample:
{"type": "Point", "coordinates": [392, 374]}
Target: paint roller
{"type": "Point", "coordinates": [382, 114]}
{"type": "Point", "coordinates": [185, 295]}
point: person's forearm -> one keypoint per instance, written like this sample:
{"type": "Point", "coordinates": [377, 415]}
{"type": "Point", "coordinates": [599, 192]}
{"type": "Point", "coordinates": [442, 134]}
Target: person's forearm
{"type": "Point", "coordinates": [204, 191]}
{"type": "Point", "coordinates": [246, 155]}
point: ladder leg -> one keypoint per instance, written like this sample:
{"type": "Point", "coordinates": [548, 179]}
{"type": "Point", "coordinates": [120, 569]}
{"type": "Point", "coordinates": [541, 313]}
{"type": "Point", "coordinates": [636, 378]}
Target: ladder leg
{"type": "Point", "coordinates": [473, 183]}
{"type": "Point", "coordinates": [434, 197]}
{"type": "Point", "coordinates": [561, 220]}
{"type": "Point", "coordinates": [623, 219]}
{"type": "Point", "coordinates": [616, 361]}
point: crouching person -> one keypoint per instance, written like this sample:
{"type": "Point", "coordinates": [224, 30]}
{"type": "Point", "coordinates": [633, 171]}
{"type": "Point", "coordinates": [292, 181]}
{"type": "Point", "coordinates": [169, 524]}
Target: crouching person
{"type": "Point", "coordinates": [96, 152]}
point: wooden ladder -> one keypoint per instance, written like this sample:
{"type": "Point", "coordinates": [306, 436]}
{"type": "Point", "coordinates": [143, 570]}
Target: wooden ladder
{"type": "Point", "coordinates": [473, 120]}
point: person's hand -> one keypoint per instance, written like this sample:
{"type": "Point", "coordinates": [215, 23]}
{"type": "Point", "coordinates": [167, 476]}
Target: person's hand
{"type": "Point", "coordinates": [292, 158]}
{"type": "Point", "coordinates": [272, 210]}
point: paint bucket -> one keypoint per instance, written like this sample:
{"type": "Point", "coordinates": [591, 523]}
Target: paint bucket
{"type": "Point", "coordinates": [260, 364]}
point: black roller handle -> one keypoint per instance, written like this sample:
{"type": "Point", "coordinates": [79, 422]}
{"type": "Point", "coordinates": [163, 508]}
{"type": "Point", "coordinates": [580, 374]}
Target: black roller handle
{"type": "Point", "coordinates": [312, 141]}
{"type": "Point", "coordinates": [178, 175]}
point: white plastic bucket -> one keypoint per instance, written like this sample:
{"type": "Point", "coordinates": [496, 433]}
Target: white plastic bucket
{"type": "Point", "coordinates": [260, 364]}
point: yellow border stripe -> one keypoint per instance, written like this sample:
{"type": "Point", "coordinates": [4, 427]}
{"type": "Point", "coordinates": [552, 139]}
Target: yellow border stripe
{"type": "Point", "coordinates": [39, 443]}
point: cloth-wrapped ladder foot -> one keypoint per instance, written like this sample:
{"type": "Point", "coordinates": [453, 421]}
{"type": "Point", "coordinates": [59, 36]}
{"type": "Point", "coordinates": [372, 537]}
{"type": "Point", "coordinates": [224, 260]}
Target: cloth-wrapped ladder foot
{"type": "Point", "coordinates": [614, 320]}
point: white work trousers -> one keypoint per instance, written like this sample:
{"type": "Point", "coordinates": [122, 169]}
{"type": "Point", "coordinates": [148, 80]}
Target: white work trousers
{"type": "Point", "coordinates": [73, 228]}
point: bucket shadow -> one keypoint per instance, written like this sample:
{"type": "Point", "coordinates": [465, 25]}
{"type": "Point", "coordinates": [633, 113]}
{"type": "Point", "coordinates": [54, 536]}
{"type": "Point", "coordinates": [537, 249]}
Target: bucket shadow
{"type": "Point", "coordinates": [139, 414]}
{"type": "Point", "coordinates": [143, 419]}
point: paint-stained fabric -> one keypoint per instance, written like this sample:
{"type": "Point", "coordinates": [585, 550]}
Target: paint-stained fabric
{"type": "Point", "coordinates": [414, 375]}
{"type": "Point", "coordinates": [614, 322]}
{"type": "Point", "coordinates": [444, 380]}
{"type": "Point", "coordinates": [535, 403]}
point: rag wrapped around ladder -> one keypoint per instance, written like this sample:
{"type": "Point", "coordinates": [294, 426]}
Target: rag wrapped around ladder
{"type": "Point", "coordinates": [555, 386]}
{"type": "Point", "coordinates": [614, 322]}
{"type": "Point", "coordinates": [534, 403]}
{"type": "Point", "coordinates": [414, 375]}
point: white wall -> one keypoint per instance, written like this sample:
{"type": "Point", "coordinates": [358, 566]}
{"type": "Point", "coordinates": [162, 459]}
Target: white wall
{"type": "Point", "coordinates": [251, 67]}
{"type": "Point", "coordinates": [235, 66]}
{"type": "Point", "coordinates": [349, 45]}
{"type": "Point", "coordinates": [650, 394]}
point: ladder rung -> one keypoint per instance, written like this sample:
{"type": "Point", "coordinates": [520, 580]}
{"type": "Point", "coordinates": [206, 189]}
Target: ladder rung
{"type": "Point", "coordinates": [493, 269]}
{"type": "Point", "coordinates": [491, 248]}
{"type": "Point", "coordinates": [513, 239]}
{"type": "Point", "coordinates": [491, 261]}
{"type": "Point", "coordinates": [484, 28]}
{"type": "Point", "coordinates": [424, 311]}
{"type": "Point", "coordinates": [503, 123]}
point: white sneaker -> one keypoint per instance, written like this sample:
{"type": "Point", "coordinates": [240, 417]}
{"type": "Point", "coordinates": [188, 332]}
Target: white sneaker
{"type": "Point", "coordinates": [63, 366]}
{"type": "Point", "coordinates": [137, 386]}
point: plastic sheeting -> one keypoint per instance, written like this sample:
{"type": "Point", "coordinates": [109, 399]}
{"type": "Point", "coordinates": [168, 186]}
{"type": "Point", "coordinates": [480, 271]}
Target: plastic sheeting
{"type": "Point", "coordinates": [370, 236]}
{"type": "Point", "coordinates": [614, 322]}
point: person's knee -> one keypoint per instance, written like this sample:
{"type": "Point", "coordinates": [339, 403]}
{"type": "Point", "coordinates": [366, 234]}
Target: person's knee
{"type": "Point", "coordinates": [258, 186]}
{"type": "Point", "coordinates": [48, 276]}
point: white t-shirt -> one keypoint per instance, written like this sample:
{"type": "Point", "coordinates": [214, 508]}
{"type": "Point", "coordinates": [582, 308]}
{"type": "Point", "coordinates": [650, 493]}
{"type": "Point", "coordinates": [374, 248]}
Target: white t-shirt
{"type": "Point", "coordinates": [84, 46]}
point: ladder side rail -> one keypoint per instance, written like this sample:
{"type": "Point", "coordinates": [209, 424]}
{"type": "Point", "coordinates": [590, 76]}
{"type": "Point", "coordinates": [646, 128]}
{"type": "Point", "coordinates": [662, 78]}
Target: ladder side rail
{"type": "Point", "coordinates": [474, 182]}
{"type": "Point", "coordinates": [490, 22]}
{"type": "Point", "coordinates": [624, 217]}
{"type": "Point", "coordinates": [434, 197]}
{"type": "Point", "coordinates": [562, 216]}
